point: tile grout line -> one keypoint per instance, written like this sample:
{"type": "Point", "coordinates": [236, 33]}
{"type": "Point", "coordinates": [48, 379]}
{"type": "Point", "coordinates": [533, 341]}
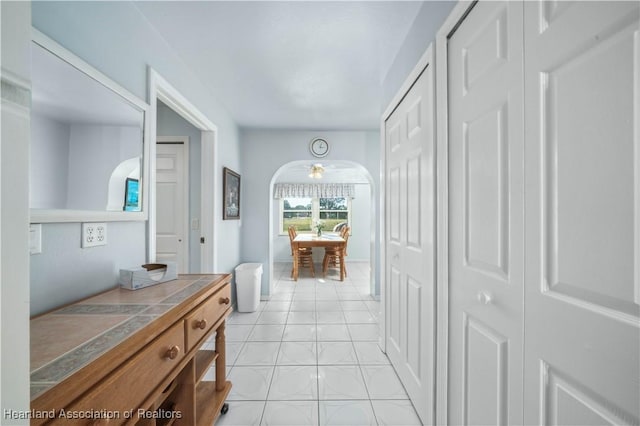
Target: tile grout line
{"type": "Point", "coordinates": [317, 360]}
{"type": "Point", "coordinates": [273, 373]}
{"type": "Point", "coordinates": [315, 305]}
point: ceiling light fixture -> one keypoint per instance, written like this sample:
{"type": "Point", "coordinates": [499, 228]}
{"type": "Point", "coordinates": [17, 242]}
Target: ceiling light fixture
{"type": "Point", "coordinates": [316, 171]}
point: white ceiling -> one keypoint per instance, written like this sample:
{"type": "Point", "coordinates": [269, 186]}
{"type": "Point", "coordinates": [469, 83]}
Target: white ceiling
{"type": "Point", "coordinates": [289, 64]}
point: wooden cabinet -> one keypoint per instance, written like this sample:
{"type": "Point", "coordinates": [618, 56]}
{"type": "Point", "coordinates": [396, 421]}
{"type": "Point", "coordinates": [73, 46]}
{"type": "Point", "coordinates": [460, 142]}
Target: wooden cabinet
{"type": "Point", "coordinates": [146, 370]}
{"type": "Point", "coordinates": [199, 322]}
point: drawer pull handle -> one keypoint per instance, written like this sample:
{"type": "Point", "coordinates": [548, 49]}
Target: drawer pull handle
{"type": "Point", "coordinates": [172, 353]}
{"type": "Point", "coordinates": [202, 324]}
{"type": "Point", "coordinates": [224, 300]}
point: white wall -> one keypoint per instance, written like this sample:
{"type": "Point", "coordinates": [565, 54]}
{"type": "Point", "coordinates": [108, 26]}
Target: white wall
{"type": "Point", "coordinates": [14, 208]}
{"type": "Point", "coordinates": [49, 163]}
{"type": "Point", "coordinates": [264, 151]}
{"type": "Point", "coordinates": [65, 272]}
{"type": "Point", "coordinates": [94, 153]}
{"type": "Point", "coordinates": [71, 164]}
{"type": "Point", "coordinates": [171, 124]}
{"type": "Point", "coordinates": [360, 239]}
{"type": "Point", "coordinates": [422, 32]}
{"type": "Point", "coordinates": [117, 40]}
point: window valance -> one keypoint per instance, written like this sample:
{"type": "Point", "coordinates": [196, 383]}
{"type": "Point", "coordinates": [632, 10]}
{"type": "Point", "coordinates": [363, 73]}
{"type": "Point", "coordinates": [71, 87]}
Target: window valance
{"type": "Point", "coordinates": [314, 190]}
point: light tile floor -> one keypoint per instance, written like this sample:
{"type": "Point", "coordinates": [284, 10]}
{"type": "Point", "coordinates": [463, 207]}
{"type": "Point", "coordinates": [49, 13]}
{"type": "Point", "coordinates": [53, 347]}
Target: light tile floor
{"type": "Point", "coordinates": [309, 356]}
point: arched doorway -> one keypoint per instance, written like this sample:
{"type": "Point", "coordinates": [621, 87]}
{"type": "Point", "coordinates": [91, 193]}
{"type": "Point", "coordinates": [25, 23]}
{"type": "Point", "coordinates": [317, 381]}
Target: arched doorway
{"type": "Point", "coordinates": [336, 171]}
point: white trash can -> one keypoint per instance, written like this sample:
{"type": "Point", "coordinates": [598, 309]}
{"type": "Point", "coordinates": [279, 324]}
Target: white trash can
{"type": "Point", "coordinates": [248, 281]}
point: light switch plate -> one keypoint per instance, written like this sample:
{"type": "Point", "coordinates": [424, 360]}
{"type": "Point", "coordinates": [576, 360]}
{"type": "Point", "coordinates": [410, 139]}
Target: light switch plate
{"type": "Point", "coordinates": [94, 234]}
{"type": "Point", "coordinates": [35, 238]}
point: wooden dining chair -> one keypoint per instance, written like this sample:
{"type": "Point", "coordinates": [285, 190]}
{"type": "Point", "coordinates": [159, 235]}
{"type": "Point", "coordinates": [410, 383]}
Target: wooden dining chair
{"type": "Point", "coordinates": [334, 257]}
{"type": "Point", "coordinates": [305, 258]}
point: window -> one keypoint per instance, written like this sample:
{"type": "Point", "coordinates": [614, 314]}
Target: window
{"type": "Point", "coordinates": [296, 212]}
{"type": "Point", "coordinates": [333, 211]}
{"type": "Point", "coordinates": [304, 212]}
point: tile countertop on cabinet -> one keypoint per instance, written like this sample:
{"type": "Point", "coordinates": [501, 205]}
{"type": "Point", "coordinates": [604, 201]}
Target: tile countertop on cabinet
{"type": "Point", "coordinates": [76, 347]}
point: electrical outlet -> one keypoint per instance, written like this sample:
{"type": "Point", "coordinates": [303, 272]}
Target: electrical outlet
{"type": "Point", "coordinates": [94, 234]}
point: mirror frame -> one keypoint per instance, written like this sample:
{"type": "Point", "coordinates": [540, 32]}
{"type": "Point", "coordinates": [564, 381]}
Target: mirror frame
{"type": "Point", "coordinates": [64, 215]}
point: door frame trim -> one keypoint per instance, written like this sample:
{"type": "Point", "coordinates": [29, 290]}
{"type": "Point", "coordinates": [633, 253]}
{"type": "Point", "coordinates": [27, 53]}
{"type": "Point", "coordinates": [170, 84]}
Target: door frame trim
{"type": "Point", "coordinates": [161, 89]}
{"type": "Point", "coordinates": [447, 29]}
{"type": "Point", "coordinates": [186, 228]}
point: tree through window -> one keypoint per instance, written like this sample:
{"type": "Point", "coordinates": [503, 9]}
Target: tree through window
{"type": "Point", "coordinates": [304, 212]}
{"type": "Point", "coordinates": [296, 212]}
{"type": "Point", "coordinates": [333, 212]}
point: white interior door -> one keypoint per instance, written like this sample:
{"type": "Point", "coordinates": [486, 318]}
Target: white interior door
{"type": "Point", "coordinates": [410, 255]}
{"type": "Point", "coordinates": [172, 204]}
{"type": "Point", "coordinates": [582, 78]}
{"type": "Point", "coordinates": [486, 216]}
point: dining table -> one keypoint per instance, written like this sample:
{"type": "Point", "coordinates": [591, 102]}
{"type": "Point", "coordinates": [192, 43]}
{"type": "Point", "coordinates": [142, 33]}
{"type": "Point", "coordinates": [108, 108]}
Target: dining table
{"type": "Point", "coordinates": [331, 240]}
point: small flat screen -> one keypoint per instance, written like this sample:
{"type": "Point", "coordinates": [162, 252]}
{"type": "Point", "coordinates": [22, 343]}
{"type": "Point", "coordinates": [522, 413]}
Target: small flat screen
{"type": "Point", "coordinates": [131, 195]}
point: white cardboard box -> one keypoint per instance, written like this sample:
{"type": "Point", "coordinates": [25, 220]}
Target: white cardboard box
{"type": "Point", "coordinates": [147, 275]}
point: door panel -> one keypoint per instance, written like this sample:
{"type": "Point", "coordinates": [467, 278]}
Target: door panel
{"type": "Point", "coordinates": [414, 203]}
{"type": "Point", "coordinates": [486, 216]}
{"type": "Point", "coordinates": [394, 206]}
{"type": "Point", "coordinates": [486, 222]}
{"type": "Point", "coordinates": [569, 403]}
{"type": "Point", "coordinates": [171, 199]}
{"type": "Point", "coordinates": [414, 327]}
{"type": "Point", "coordinates": [410, 223]}
{"type": "Point", "coordinates": [485, 374]}
{"type": "Point", "coordinates": [166, 222]}
{"type": "Point", "coordinates": [578, 124]}
{"type": "Point", "coordinates": [582, 320]}
{"type": "Point", "coordinates": [486, 51]}
{"type": "Point", "coordinates": [395, 310]}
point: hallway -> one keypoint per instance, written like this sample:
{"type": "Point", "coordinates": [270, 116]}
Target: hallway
{"type": "Point", "coordinates": [310, 356]}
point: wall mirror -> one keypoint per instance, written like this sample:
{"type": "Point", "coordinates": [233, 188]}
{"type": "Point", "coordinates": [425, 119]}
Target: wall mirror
{"type": "Point", "coordinates": [89, 157]}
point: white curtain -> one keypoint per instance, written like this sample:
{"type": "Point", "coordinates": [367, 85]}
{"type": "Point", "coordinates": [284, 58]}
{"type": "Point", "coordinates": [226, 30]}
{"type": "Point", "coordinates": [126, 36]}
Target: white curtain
{"type": "Point", "coordinates": [314, 190]}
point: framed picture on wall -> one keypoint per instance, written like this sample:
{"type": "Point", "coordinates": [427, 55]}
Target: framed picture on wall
{"type": "Point", "coordinates": [231, 193]}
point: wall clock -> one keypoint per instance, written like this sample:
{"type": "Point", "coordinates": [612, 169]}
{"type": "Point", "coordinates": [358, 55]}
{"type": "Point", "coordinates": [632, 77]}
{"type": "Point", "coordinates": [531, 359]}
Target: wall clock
{"type": "Point", "coordinates": [319, 147]}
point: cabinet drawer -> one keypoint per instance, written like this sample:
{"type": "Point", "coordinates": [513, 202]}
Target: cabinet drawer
{"type": "Point", "coordinates": [129, 385]}
{"type": "Point", "coordinates": [200, 320]}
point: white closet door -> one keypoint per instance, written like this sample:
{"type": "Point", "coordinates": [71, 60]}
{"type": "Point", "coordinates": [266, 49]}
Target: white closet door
{"type": "Point", "coordinates": [582, 73]}
{"type": "Point", "coordinates": [486, 216]}
{"type": "Point", "coordinates": [410, 213]}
